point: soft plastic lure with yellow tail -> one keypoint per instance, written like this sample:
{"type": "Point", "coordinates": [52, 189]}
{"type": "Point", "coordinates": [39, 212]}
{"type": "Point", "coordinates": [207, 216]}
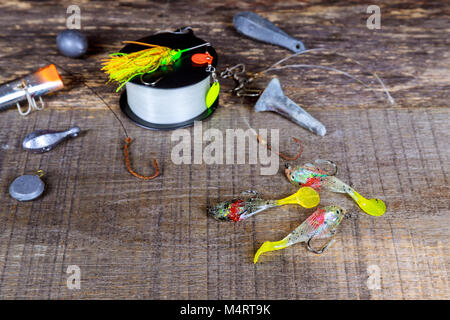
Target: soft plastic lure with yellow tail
{"type": "Point", "coordinates": [240, 209]}
{"type": "Point", "coordinates": [321, 224]}
{"type": "Point", "coordinates": [312, 176]}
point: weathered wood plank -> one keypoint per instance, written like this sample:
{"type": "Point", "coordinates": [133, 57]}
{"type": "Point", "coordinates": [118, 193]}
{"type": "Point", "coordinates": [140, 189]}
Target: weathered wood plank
{"type": "Point", "coordinates": [136, 239]}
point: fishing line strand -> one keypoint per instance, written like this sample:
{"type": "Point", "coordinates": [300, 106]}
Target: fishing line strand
{"type": "Point", "coordinates": [374, 74]}
{"type": "Point", "coordinates": [79, 77]}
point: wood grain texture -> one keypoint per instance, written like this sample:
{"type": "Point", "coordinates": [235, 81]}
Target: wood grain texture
{"type": "Point", "coordinates": [152, 240]}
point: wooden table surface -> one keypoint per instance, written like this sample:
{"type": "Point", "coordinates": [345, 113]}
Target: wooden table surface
{"type": "Point", "coordinates": [152, 239]}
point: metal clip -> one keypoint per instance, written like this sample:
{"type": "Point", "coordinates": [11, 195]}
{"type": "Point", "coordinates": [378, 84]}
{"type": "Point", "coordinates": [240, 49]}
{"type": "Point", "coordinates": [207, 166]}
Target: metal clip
{"type": "Point", "coordinates": [31, 101]}
{"type": "Point", "coordinates": [183, 30]}
{"type": "Point", "coordinates": [150, 83]}
{"type": "Point", "coordinates": [241, 81]}
{"type": "Point", "coordinates": [210, 68]}
{"type": "Point", "coordinates": [212, 72]}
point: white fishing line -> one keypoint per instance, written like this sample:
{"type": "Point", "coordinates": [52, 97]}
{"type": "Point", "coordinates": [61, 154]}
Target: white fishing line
{"type": "Point", "coordinates": [168, 106]}
{"type": "Point", "coordinates": [276, 66]}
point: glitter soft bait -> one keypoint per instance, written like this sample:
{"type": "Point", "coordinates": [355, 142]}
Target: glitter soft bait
{"type": "Point", "coordinates": [312, 176]}
{"type": "Point", "coordinates": [241, 209]}
{"type": "Point", "coordinates": [322, 224]}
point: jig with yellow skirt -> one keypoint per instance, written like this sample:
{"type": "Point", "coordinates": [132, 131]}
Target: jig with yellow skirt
{"type": "Point", "coordinates": [122, 67]}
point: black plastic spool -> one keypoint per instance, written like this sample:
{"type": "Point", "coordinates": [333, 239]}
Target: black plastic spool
{"type": "Point", "coordinates": [181, 73]}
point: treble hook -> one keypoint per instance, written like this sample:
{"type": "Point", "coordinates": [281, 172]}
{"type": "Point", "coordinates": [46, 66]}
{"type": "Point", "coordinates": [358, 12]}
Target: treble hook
{"type": "Point", "coordinates": [127, 163]}
{"type": "Point", "coordinates": [282, 155]}
{"type": "Point", "coordinates": [31, 101]}
{"type": "Point", "coordinates": [321, 250]}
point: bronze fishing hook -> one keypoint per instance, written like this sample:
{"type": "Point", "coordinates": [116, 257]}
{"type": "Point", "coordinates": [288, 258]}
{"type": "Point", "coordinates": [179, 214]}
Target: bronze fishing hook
{"type": "Point", "coordinates": [127, 163]}
{"type": "Point", "coordinates": [282, 155]}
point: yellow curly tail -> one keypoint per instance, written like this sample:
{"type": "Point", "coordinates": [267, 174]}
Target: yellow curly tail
{"type": "Point", "coordinates": [270, 246]}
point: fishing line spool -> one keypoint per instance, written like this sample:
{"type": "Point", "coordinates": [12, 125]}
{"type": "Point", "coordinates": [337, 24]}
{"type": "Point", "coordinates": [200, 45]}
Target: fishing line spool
{"type": "Point", "coordinates": [173, 96]}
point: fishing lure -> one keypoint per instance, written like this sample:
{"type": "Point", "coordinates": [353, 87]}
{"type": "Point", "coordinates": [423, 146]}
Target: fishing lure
{"type": "Point", "coordinates": [322, 224]}
{"type": "Point", "coordinates": [30, 87]}
{"type": "Point", "coordinates": [122, 67]}
{"type": "Point", "coordinates": [240, 209]}
{"type": "Point", "coordinates": [312, 176]}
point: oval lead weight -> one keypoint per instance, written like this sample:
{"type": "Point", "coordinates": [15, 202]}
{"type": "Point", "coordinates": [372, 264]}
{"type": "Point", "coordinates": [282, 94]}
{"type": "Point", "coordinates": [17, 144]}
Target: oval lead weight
{"type": "Point", "coordinates": [27, 187]}
{"type": "Point", "coordinates": [45, 140]}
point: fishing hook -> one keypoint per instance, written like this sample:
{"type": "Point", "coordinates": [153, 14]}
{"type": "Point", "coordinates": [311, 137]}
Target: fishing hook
{"type": "Point", "coordinates": [331, 163]}
{"type": "Point", "coordinates": [127, 163]}
{"type": "Point", "coordinates": [321, 250]}
{"type": "Point", "coordinates": [282, 155]}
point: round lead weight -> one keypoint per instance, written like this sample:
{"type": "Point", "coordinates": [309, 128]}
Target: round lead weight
{"type": "Point", "coordinates": [26, 187]}
{"type": "Point", "coordinates": [72, 43]}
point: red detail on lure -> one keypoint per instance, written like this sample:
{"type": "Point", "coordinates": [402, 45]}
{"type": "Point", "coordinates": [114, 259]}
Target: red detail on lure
{"type": "Point", "coordinates": [320, 171]}
{"type": "Point", "coordinates": [235, 210]}
{"type": "Point", "coordinates": [202, 58]}
{"type": "Point", "coordinates": [313, 183]}
{"type": "Point", "coordinates": [317, 218]}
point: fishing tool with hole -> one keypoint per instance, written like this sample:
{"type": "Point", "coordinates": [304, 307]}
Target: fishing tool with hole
{"type": "Point", "coordinates": [40, 141]}
{"type": "Point", "coordinates": [27, 187]}
{"type": "Point", "coordinates": [313, 176]}
{"type": "Point", "coordinates": [241, 209]}
{"type": "Point", "coordinates": [258, 28]}
{"type": "Point", "coordinates": [169, 79]}
{"type": "Point", "coordinates": [322, 224]}
{"type": "Point", "coordinates": [272, 99]}
{"type": "Point", "coordinates": [35, 85]}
